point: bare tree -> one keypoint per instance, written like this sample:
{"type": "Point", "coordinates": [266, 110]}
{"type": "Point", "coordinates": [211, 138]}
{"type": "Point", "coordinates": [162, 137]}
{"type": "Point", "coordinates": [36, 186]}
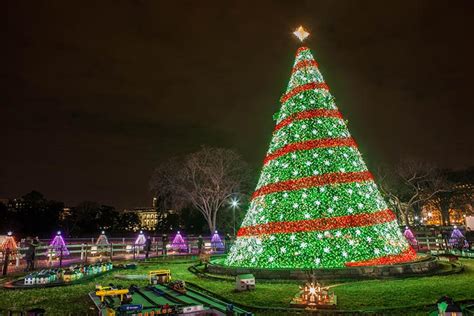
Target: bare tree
{"type": "Point", "coordinates": [164, 185]}
{"type": "Point", "coordinates": [460, 195]}
{"type": "Point", "coordinates": [409, 184]}
{"type": "Point", "coordinates": [206, 180]}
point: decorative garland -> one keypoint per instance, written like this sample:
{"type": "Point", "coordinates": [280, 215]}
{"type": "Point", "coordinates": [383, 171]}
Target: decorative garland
{"type": "Point", "coordinates": [407, 255]}
{"type": "Point", "coordinates": [304, 63]}
{"type": "Point", "coordinates": [301, 49]}
{"type": "Point", "coordinates": [320, 224]}
{"type": "Point", "coordinates": [308, 114]}
{"type": "Point", "coordinates": [310, 144]}
{"type": "Point", "coordinates": [308, 182]}
{"type": "Point", "coordinates": [304, 87]}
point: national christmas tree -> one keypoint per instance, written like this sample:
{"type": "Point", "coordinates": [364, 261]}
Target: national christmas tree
{"type": "Point", "coordinates": [316, 205]}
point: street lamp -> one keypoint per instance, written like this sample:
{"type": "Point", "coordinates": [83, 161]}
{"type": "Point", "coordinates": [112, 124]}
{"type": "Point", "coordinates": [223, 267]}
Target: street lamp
{"type": "Point", "coordinates": [234, 203]}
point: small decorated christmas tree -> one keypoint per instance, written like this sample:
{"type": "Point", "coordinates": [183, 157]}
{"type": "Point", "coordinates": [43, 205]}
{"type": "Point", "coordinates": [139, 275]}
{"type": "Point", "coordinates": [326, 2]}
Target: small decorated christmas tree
{"type": "Point", "coordinates": [410, 236]}
{"type": "Point", "coordinates": [9, 243]}
{"type": "Point", "coordinates": [216, 242]}
{"type": "Point", "coordinates": [140, 241]}
{"type": "Point", "coordinates": [58, 245]}
{"type": "Point", "coordinates": [457, 238]}
{"type": "Point", "coordinates": [178, 243]}
{"type": "Point", "coordinates": [102, 239]}
{"type": "Point", "coordinates": [316, 204]}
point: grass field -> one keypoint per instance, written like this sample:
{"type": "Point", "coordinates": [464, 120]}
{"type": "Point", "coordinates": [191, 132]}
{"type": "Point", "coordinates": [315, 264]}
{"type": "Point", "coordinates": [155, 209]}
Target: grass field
{"type": "Point", "coordinates": [370, 295]}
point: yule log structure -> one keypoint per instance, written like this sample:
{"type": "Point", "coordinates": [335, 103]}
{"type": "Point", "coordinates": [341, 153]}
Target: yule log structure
{"type": "Point", "coordinates": [316, 205]}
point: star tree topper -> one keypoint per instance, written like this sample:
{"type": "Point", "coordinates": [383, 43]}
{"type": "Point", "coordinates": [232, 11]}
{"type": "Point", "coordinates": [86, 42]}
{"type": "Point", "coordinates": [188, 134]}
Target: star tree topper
{"type": "Point", "coordinates": [301, 33]}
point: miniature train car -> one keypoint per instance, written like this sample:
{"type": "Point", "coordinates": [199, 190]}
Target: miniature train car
{"type": "Point", "coordinates": [245, 282]}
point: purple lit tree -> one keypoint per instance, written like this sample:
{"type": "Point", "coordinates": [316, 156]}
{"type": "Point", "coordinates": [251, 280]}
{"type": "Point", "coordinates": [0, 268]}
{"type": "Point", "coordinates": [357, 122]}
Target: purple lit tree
{"type": "Point", "coordinates": [410, 236]}
{"type": "Point", "coordinates": [178, 243]}
{"type": "Point", "coordinates": [216, 242]}
{"type": "Point", "coordinates": [457, 238]}
{"type": "Point", "coordinates": [140, 241]}
{"type": "Point", "coordinates": [58, 245]}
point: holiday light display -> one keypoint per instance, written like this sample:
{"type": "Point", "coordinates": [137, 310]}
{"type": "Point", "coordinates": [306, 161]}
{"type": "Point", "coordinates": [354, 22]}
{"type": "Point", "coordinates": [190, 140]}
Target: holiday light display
{"type": "Point", "coordinates": [313, 296]}
{"type": "Point", "coordinates": [58, 245]}
{"type": "Point", "coordinates": [140, 241]}
{"type": "Point", "coordinates": [457, 238]}
{"type": "Point", "coordinates": [9, 243]}
{"type": "Point", "coordinates": [316, 205]}
{"type": "Point", "coordinates": [102, 239]}
{"type": "Point", "coordinates": [410, 236]}
{"type": "Point", "coordinates": [216, 242]}
{"type": "Point", "coordinates": [178, 243]}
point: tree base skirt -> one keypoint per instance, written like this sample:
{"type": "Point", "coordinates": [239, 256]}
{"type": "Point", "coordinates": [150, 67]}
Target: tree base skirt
{"type": "Point", "coordinates": [424, 265]}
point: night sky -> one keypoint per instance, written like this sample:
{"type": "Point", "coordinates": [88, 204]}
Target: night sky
{"type": "Point", "coordinates": [97, 93]}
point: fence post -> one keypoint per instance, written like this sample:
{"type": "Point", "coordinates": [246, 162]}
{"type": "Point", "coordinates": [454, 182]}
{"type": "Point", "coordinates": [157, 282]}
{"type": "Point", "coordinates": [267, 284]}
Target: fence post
{"type": "Point", "coordinates": [134, 250]}
{"type": "Point", "coordinates": [111, 251]}
{"type": "Point", "coordinates": [50, 256]}
{"type": "Point", "coordinates": [82, 252]}
{"type": "Point", "coordinates": [61, 257]}
{"type": "Point", "coordinates": [85, 255]}
{"type": "Point", "coordinates": [6, 259]}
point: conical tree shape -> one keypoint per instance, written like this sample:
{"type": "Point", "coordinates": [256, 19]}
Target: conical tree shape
{"type": "Point", "coordinates": [316, 205]}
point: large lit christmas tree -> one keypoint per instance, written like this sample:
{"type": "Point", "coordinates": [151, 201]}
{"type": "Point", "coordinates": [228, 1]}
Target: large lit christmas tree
{"type": "Point", "coordinates": [316, 205]}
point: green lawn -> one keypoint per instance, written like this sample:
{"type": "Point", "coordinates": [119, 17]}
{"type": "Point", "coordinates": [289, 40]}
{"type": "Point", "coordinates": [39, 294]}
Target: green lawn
{"type": "Point", "coordinates": [360, 295]}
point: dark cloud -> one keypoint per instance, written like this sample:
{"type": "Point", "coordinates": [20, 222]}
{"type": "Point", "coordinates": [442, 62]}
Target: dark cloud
{"type": "Point", "coordinates": [96, 93]}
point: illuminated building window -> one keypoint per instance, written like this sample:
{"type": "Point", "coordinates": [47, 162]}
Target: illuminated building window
{"type": "Point", "coordinates": [431, 215]}
{"type": "Point", "coordinates": [456, 217]}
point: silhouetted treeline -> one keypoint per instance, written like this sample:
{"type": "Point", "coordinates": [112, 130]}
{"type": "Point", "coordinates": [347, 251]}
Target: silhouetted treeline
{"type": "Point", "coordinates": [34, 215]}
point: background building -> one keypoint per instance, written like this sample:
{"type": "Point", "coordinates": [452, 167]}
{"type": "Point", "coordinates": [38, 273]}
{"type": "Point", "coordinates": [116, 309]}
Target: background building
{"type": "Point", "coordinates": [148, 217]}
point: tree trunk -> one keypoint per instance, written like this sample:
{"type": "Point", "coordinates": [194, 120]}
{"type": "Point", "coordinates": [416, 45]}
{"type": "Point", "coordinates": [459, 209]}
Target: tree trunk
{"type": "Point", "coordinates": [445, 215]}
{"type": "Point", "coordinates": [416, 212]}
{"type": "Point", "coordinates": [212, 225]}
{"type": "Point", "coordinates": [405, 217]}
